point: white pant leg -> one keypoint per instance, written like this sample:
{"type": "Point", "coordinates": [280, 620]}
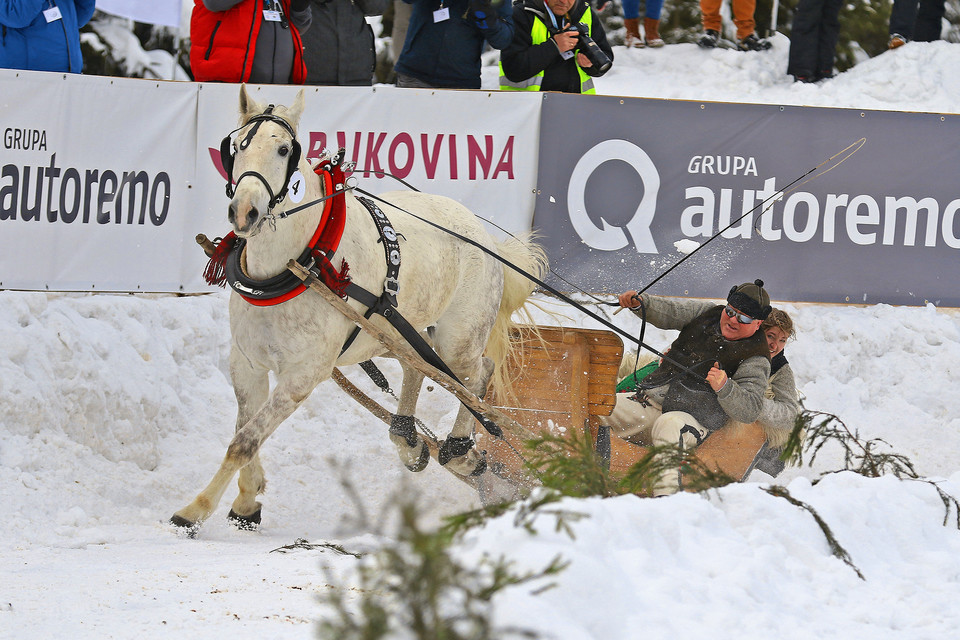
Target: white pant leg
{"type": "Point", "coordinates": [670, 429]}
{"type": "Point", "coordinates": [632, 420]}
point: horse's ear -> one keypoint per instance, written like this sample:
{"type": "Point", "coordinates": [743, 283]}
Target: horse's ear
{"type": "Point", "coordinates": [296, 110]}
{"type": "Point", "coordinates": [248, 106]}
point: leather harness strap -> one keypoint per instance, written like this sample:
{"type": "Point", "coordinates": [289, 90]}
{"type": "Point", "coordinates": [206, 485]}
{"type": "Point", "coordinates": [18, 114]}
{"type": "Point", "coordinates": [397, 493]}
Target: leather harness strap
{"type": "Point", "coordinates": [386, 305]}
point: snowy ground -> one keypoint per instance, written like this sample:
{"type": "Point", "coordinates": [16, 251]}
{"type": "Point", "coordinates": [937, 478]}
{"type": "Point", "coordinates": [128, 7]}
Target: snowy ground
{"type": "Point", "coordinates": [921, 77]}
{"type": "Point", "coordinates": [115, 410]}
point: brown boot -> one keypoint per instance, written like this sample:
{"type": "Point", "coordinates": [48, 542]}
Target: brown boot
{"type": "Point", "coordinates": [632, 39]}
{"type": "Point", "coordinates": [651, 29]}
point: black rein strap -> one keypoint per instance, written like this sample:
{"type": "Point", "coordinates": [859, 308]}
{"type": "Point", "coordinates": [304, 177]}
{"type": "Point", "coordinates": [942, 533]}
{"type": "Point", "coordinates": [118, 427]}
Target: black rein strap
{"type": "Point", "coordinates": [386, 305]}
{"type": "Point", "coordinates": [639, 342]}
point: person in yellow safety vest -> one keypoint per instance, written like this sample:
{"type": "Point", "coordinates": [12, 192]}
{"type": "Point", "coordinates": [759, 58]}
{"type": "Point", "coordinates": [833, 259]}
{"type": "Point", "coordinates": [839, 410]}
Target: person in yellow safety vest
{"type": "Point", "coordinates": [546, 53]}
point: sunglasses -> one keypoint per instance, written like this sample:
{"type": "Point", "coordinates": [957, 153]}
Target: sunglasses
{"type": "Point", "coordinates": [742, 318]}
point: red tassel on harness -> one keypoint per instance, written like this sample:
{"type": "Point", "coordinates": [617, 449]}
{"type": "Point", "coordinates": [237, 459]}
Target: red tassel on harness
{"type": "Point", "coordinates": [336, 282]}
{"type": "Point", "coordinates": [216, 273]}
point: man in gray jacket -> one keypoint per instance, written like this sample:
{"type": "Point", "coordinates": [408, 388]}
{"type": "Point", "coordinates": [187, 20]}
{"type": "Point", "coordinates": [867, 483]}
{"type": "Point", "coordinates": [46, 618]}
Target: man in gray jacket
{"type": "Point", "coordinates": [730, 364]}
{"type": "Point", "coordinates": [339, 49]}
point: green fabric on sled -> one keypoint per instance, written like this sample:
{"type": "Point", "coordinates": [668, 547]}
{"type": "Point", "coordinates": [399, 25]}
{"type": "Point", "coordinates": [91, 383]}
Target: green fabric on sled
{"type": "Point", "coordinates": [630, 382]}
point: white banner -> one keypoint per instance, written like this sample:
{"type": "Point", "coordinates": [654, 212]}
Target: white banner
{"type": "Point", "coordinates": [437, 141]}
{"type": "Point", "coordinates": [94, 187]}
{"type": "Point", "coordinates": [105, 182]}
{"type": "Point", "coordinates": [165, 12]}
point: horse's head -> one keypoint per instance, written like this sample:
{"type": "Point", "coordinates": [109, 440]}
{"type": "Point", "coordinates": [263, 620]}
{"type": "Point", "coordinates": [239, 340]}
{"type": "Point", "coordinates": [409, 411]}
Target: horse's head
{"type": "Point", "coordinates": [259, 160]}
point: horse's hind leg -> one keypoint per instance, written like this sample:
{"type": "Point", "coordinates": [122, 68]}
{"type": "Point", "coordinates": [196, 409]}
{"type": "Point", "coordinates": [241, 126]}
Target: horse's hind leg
{"type": "Point", "coordinates": [460, 338]}
{"type": "Point", "coordinates": [457, 452]}
{"type": "Point", "coordinates": [410, 445]}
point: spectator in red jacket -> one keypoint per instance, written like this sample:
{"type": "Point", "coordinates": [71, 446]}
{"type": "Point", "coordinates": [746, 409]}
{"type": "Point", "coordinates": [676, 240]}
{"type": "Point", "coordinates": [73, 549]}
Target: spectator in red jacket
{"type": "Point", "coordinates": [249, 40]}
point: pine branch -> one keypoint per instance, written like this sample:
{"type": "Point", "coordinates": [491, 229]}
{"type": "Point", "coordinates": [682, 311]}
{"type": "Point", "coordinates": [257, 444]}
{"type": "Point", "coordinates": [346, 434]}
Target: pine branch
{"type": "Point", "coordinates": [570, 465]}
{"type": "Point", "coordinates": [835, 548]}
{"type": "Point", "coordinates": [302, 543]}
{"type": "Point", "coordinates": [415, 587]}
{"type": "Point", "coordinates": [644, 476]}
{"type": "Point", "coordinates": [815, 429]}
{"type": "Point", "coordinates": [526, 513]}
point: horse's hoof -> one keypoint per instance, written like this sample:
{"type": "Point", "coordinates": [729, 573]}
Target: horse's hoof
{"type": "Point", "coordinates": [403, 427]}
{"type": "Point", "coordinates": [453, 447]}
{"type": "Point", "coordinates": [404, 436]}
{"type": "Point", "coordinates": [421, 463]}
{"type": "Point", "coordinates": [245, 523]}
{"type": "Point", "coordinates": [454, 450]}
{"type": "Point", "coordinates": [184, 526]}
{"type": "Point", "coordinates": [481, 467]}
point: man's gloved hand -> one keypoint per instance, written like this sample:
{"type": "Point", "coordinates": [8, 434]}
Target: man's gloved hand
{"type": "Point", "coordinates": [483, 11]}
{"type": "Point", "coordinates": [299, 5]}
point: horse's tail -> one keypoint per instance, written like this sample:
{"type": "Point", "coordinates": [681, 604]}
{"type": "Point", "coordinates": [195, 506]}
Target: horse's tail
{"type": "Point", "coordinates": [517, 289]}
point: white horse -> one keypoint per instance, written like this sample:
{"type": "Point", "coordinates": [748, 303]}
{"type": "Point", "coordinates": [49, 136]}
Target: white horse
{"type": "Point", "coordinates": [465, 297]}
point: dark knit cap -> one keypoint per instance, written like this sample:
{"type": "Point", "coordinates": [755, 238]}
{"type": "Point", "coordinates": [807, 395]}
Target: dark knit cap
{"type": "Point", "coordinates": [751, 299]}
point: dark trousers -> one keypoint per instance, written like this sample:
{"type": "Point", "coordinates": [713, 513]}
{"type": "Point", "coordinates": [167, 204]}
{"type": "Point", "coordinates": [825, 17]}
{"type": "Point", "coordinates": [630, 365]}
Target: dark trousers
{"type": "Point", "coordinates": [813, 38]}
{"type": "Point", "coordinates": [922, 24]}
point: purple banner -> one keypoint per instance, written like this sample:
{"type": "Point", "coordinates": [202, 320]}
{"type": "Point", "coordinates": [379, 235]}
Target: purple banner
{"type": "Point", "coordinates": [628, 187]}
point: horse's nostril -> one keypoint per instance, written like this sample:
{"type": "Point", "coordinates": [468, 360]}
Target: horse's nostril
{"type": "Point", "coordinates": [232, 213]}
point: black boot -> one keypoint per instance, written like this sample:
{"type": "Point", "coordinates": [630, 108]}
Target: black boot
{"type": "Point", "coordinates": [753, 43]}
{"type": "Point", "coordinates": [709, 39]}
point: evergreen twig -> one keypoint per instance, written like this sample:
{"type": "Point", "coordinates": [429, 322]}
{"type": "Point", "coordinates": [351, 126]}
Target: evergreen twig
{"type": "Point", "coordinates": [835, 547]}
{"type": "Point", "coordinates": [815, 429]}
{"type": "Point", "coordinates": [303, 543]}
{"type": "Point", "coordinates": [864, 458]}
{"type": "Point", "coordinates": [571, 466]}
{"type": "Point", "coordinates": [416, 587]}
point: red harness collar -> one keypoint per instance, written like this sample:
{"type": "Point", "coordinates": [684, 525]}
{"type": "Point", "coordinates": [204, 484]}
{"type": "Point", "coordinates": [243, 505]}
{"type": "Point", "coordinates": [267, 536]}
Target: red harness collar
{"type": "Point", "coordinates": [224, 264]}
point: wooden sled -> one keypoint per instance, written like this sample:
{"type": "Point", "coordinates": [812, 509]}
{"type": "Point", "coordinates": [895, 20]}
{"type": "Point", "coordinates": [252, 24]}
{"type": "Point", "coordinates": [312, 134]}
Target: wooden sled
{"type": "Point", "coordinates": [570, 376]}
{"type": "Point", "coordinates": [568, 381]}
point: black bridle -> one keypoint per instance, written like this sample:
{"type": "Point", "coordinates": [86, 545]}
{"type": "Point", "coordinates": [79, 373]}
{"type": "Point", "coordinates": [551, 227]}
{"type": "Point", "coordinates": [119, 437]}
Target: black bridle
{"type": "Point", "coordinates": [227, 156]}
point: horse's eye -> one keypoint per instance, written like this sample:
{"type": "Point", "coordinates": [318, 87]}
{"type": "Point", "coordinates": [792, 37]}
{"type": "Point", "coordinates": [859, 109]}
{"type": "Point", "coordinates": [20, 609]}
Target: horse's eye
{"type": "Point", "coordinates": [284, 150]}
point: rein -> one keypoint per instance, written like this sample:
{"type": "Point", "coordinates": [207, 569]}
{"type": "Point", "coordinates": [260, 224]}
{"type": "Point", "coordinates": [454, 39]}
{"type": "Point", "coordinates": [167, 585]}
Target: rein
{"type": "Point", "coordinates": [639, 342]}
{"type": "Point", "coordinates": [792, 186]}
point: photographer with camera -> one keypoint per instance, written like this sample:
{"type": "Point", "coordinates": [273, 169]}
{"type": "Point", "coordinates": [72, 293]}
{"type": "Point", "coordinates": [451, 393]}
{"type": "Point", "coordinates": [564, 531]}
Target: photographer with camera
{"type": "Point", "coordinates": [558, 45]}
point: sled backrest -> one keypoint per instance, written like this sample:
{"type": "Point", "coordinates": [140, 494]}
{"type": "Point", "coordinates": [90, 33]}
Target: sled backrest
{"type": "Point", "coordinates": [565, 380]}
{"type": "Point", "coordinates": [568, 377]}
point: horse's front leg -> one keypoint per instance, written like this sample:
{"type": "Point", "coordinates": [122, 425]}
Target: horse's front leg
{"type": "Point", "coordinates": [411, 447]}
{"type": "Point", "coordinates": [244, 450]}
{"type": "Point", "coordinates": [252, 387]}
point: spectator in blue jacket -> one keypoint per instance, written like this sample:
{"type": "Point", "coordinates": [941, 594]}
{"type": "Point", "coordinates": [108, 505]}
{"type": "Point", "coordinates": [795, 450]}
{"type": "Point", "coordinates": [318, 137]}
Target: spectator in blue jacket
{"type": "Point", "coordinates": [445, 39]}
{"type": "Point", "coordinates": [43, 35]}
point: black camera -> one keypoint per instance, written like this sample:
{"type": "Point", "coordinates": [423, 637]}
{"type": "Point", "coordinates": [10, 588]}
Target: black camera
{"type": "Point", "coordinates": [586, 45]}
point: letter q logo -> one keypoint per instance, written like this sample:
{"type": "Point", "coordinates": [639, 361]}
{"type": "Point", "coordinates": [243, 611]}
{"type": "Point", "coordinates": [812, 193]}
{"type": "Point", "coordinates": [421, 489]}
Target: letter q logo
{"type": "Point", "coordinates": [608, 237]}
